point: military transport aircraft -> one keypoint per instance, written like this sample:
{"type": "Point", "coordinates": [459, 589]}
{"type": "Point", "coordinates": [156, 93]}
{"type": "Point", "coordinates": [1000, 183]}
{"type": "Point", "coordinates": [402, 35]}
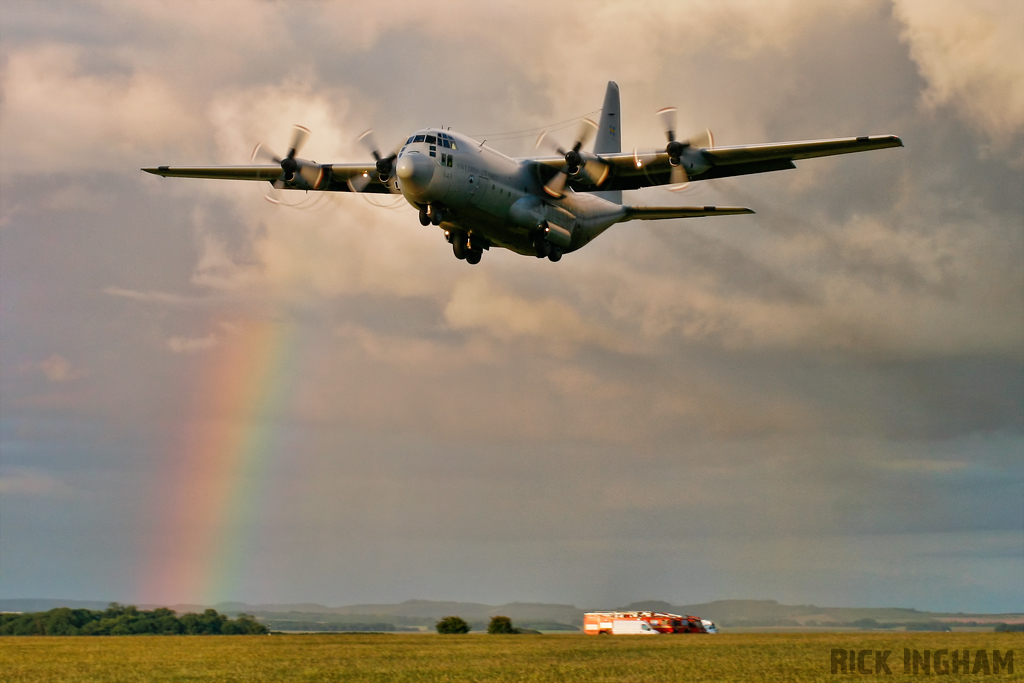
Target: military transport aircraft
{"type": "Point", "coordinates": [540, 206]}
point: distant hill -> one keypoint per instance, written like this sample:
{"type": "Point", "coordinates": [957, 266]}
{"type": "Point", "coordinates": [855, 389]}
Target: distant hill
{"type": "Point", "coordinates": [45, 605]}
{"type": "Point", "coordinates": [764, 612]}
{"type": "Point", "coordinates": [544, 615]}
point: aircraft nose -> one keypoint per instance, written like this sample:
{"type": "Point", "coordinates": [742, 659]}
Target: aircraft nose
{"type": "Point", "coordinates": [415, 171]}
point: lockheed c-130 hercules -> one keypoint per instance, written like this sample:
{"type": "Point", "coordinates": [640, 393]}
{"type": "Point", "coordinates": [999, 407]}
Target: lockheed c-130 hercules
{"type": "Point", "coordinates": [540, 206]}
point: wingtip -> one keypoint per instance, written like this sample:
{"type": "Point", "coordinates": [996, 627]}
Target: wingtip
{"type": "Point", "coordinates": [159, 170]}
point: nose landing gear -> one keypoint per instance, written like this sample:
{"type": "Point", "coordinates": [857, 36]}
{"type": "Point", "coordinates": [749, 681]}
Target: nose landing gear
{"type": "Point", "coordinates": [431, 214]}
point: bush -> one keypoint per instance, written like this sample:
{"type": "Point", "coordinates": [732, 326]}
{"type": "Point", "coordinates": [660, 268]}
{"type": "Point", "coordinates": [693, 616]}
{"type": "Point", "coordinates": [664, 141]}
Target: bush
{"type": "Point", "coordinates": [452, 625]}
{"type": "Point", "coordinates": [501, 625]}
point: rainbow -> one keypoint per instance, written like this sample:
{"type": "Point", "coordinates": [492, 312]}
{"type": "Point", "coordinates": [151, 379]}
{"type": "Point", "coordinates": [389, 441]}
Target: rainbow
{"type": "Point", "coordinates": [212, 484]}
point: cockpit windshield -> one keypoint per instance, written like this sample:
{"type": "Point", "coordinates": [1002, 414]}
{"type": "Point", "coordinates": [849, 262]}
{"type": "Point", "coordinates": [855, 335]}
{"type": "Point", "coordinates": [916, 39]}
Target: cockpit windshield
{"type": "Point", "coordinates": [441, 139]}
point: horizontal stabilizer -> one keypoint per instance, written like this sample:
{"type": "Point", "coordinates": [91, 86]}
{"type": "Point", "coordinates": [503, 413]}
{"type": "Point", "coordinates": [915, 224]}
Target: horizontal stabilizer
{"type": "Point", "coordinates": [654, 213]}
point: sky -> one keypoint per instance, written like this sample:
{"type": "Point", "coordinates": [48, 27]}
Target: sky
{"type": "Point", "coordinates": [205, 396]}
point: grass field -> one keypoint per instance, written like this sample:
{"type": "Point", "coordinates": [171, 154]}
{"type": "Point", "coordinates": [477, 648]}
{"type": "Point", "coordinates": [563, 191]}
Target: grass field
{"type": "Point", "coordinates": [476, 658]}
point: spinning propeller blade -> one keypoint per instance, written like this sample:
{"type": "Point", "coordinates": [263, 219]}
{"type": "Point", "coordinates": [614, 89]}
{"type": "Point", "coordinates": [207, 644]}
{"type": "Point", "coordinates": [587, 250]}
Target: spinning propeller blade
{"type": "Point", "coordinates": [576, 162]}
{"type": "Point", "coordinates": [675, 148]}
{"type": "Point", "coordinates": [385, 164]}
{"type": "Point", "coordinates": [312, 175]}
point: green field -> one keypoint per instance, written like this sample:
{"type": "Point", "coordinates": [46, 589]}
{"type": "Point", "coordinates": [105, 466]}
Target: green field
{"type": "Point", "coordinates": [474, 658]}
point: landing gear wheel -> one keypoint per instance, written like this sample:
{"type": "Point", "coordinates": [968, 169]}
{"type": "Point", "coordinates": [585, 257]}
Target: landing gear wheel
{"type": "Point", "coordinates": [473, 256]}
{"type": "Point", "coordinates": [436, 216]}
{"type": "Point", "coordinates": [424, 218]}
{"type": "Point", "coordinates": [459, 245]}
{"type": "Point", "coordinates": [555, 254]}
{"type": "Point", "coordinates": [542, 247]}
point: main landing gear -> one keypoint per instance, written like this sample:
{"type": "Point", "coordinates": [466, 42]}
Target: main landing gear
{"type": "Point", "coordinates": [545, 249]}
{"type": "Point", "coordinates": [464, 247]}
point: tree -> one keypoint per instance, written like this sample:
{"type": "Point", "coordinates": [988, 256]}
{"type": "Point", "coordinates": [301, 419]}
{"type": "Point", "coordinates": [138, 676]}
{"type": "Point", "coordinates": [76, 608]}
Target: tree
{"type": "Point", "coordinates": [244, 624]}
{"type": "Point", "coordinates": [452, 625]}
{"type": "Point", "coordinates": [1006, 628]}
{"type": "Point", "coordinates": [501, 625]}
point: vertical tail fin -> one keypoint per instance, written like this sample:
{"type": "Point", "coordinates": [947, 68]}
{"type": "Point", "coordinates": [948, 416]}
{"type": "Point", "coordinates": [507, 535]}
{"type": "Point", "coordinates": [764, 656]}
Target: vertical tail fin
{"type": "Point", "coordinates": [609, 134]}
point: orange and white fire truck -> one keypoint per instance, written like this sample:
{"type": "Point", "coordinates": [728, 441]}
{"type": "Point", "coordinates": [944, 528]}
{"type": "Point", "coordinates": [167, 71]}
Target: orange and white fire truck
{"type": "Point", "coordinates": [641, 623]}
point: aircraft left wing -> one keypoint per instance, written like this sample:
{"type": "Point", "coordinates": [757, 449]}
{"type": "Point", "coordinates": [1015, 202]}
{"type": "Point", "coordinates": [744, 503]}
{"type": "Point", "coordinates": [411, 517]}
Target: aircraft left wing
{"type": "Point", "coordinates": [630, 171]}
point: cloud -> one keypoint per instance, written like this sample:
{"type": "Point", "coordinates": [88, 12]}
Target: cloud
{"type": "Point", "coordinates": [24, 481]}
{"type": "Point", "coordinates": [59, 369]}
{"type": "Point", "coordinates": [794, 374]}
{"type": "Point", "coordinates": [192, 344]}
{"type": "Point", "coordinates": [972, 57]}
{"type": "Point", "coordinates": [154, 297]}
{"type": "Point", "coordinates": [72, 119]}
{"type": "Point", "coordinates": [477, 304]}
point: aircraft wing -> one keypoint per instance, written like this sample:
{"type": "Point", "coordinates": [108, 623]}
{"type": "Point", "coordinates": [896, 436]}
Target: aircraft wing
{"type": "Point", "coordinates": [334, 178]}
{"type": "Point", "coordinates": [793, 151]}
{"type": "Point", "coordinates": [261, 172]}
{"type": "Point", "coordinates": [629, 171]}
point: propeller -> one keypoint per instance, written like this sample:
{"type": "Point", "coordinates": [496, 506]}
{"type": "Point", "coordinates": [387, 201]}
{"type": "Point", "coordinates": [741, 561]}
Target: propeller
{"type": "Point", "coordinates": [385, 165]}
{"type": "Point", "coordinates": [676, 148]}
{"type": "Point", "coordinates": [310, 173]}
{"type": "Point", "coordinates": [576, 162]}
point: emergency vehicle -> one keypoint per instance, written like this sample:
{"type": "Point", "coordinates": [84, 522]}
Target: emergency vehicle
{"type": "Point", "coordinates": [640, 623]}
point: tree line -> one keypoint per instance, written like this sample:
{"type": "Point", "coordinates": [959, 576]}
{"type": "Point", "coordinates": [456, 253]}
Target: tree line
{"type": "Point", "coordinates": [499, 625]}
{"type": "Point", "coordinates": [121, 620]}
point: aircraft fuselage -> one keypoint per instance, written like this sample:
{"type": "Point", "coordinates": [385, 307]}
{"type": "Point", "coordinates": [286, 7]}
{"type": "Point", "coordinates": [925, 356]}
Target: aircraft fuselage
{"type": "Point", "coordinates": [492, 198]}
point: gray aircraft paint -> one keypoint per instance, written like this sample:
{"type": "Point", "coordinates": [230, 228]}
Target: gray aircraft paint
{"type": "Point", "coordinates": [609, 134]}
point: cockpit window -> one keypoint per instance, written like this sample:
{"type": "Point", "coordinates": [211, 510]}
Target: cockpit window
{"type": "Point", "coordinates": [448, 141]}
{"type": "Point", "coordinates": [431, 140]}
{"type": "Point", "coordinates": [410, 140]}
{"type": "Point", "coordinates": [418, 138]}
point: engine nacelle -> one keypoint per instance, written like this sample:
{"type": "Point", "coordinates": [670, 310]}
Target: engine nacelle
{"type": "Point", "coordinates": [553, 222]}
{"type": "Point", "coordinates": [528, 212]}
{"type": "Point", "coordinates": [307, 175]}
{"type": "Point", "coordinates": [694, 161]}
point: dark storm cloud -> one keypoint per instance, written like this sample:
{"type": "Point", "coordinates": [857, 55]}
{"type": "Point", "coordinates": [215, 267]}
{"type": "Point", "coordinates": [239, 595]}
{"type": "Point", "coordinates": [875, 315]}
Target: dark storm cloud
{"type": "Point", "coordinates": [801, 404]}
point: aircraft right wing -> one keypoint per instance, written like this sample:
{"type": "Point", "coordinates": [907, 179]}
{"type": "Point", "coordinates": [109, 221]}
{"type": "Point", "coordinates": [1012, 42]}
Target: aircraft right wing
{"type": "Point", "coordinates": [322, 177]}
